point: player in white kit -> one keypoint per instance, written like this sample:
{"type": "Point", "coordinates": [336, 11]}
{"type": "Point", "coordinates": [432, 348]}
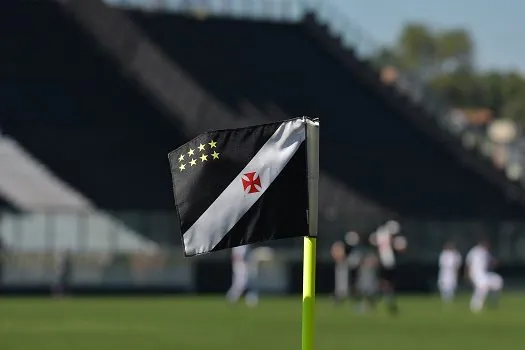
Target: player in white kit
{"type": "Point", "coordinates": [479, 262]}
{"type": "Point", "coordinates": [449, 264]}
{"type": "Point", "coordinates": [243, 277]}
{"type": "Point", "coordinates": [346, 256]}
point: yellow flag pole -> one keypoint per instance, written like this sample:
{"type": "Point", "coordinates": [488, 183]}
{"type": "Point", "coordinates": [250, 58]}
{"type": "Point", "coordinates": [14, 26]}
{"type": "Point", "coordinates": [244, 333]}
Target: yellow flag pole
{"type": "Point", "coordinates": [308, 319]}
{"type": "Point", "coordinates": [309, 259]}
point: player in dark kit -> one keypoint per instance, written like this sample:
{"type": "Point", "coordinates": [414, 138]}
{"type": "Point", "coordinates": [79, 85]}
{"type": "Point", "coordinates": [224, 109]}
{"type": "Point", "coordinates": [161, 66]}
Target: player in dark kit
{"type": "Point", "coordinates": [388, 244]}
{"type": "Point", "coordinates": [346, 256]}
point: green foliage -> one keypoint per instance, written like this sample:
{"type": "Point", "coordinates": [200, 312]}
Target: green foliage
{"type": "Point", "coordinates": [417, 46]}
{"type": "Point", "coordinates": [503, 93]}
{"type": "Point", "coordinates": [515, 110]}
{"type": "Point", "coordinates": [441, 51]}
{"type": "Point", "coordinates": [445, 59]}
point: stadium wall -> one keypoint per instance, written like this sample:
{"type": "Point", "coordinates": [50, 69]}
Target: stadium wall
{"type": "Point", "coordinates": [208, 276]}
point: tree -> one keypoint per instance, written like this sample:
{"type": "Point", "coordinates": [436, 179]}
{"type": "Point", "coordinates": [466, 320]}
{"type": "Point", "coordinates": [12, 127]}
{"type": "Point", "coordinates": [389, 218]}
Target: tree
{"type": "Point", "coordinates": [515, 110]}
{"type": "Point", "coordinates": [459, 89]}
{"type": "Point", "coordinates": [445, 60]}
{"type": "Point", "coordinates": [454, 50]}
{"type": "Point", "coordinates": [386, 57]}
{"type": "Point", "coordinates": [430, 53]}
{"type": "Point", "coordinates": [502, 93]}
{"type": "Point", "coordinates": [416, 46]}
{"type": "Point", "coordinates": [513, 86]}
{"type": "Point", "coordinates": [493, 85]}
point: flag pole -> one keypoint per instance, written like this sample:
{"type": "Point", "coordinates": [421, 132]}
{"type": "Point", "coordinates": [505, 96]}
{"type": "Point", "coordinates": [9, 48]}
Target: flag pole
{"type": "Point", "coordinates": [309, 259]}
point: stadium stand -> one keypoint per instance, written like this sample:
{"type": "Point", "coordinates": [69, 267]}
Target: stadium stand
{"type": "Point", "coordinates": [191, 108]}
{"type": "Point", "coordinates": [69, 106]}
{"type": "Point", "coordinates": [29, 186]}
{"type": "Point", "coordinates": [365, 130]}
{"type": "Point", "coordinates": [108, 137]}
{"type": "Point", "coordinates": [102, 234]}
{"type": "Point", "coordinates": [97, 129]}
{"type": "Point", "coordinates": [96, 105]}
{"type": "Point", "coordinates": [75, 128]}
{"type": "Point", "coordinates": [5, 205]}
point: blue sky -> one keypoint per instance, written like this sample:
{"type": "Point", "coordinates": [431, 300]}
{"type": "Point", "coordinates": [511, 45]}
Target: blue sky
{"type": "Point", "coordinates": [498, 26]}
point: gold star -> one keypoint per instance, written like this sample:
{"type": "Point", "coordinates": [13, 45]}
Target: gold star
{"type": "Point", "coordinates": [190, 152]}
{"type": "Point", "coordinates": [193, 162]}
{"type": "Point", "coordinates": [201, 147]}
{"type": "Point", "coordinates": [212, 144]}
{"type": "Point", "coordinates": [182, 167]}
{"type": "Point", "coordinates": [215, 155]}
{"type": "Point", "coordinates": [181, 158]}
{"type": "Point", "coordinates": [204, 157]}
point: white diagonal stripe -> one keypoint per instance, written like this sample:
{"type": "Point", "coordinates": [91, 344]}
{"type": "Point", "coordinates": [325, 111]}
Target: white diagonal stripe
{"type": "Point", "coordinates": [233, 202]}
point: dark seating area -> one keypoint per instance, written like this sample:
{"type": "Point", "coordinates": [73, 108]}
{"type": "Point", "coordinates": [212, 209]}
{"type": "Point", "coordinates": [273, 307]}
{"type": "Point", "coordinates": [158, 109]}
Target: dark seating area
{"type": "Point", "coordinates": [70, 107]}
{"type": "Point", "coordinates": [5, 205]}
{"type": "Point", "coordinates": [365, 141]}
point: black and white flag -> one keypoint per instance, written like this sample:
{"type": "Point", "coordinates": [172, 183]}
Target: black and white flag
{"type": "Point", "coordinates": [241, 186]}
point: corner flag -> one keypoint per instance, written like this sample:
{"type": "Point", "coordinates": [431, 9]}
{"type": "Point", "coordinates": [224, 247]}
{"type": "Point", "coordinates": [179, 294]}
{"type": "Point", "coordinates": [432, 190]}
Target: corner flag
{"type": "Point", "coordinates": [249, 185]}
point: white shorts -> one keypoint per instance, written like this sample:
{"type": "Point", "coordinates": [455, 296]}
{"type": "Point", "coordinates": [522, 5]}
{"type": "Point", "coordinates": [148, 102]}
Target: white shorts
{"type": "Point", "coordinates": [490, 280]}
{"type": "Point", "coordinates": [447, 283]}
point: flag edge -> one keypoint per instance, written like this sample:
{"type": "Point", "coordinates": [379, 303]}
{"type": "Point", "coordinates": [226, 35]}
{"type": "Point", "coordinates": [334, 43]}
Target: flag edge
{"type": "Point", "coordinates": [240, 128]}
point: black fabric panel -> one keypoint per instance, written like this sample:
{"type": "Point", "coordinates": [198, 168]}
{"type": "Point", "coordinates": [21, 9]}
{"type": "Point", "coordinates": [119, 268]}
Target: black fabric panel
{"type": "Point", "coordinates": [280, 212]}
{"type": "Point", "coordinates": [197, 187]}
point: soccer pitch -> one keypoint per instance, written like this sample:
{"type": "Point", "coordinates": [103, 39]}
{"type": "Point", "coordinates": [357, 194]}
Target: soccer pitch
{"type": "Point", "coordinates": [201, 323]}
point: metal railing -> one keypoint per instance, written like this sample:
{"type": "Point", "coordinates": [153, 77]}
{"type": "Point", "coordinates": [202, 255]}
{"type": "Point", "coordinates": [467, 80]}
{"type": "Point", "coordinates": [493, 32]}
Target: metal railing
{"type": "Point", "coordinates": [44, 248]}
{"type": "Point", "coordinates": [157, 231]}
{"type": "Point", "coordinates": [509, 158]}
{"type": "Point", "coordinates": [276, 10]}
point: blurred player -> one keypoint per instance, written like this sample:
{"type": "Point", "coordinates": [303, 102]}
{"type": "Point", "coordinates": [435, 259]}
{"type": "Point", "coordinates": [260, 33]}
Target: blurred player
{"type": "Point", "coordinates": [345, 257]}
{"type": "Point", "coordinates": [62, 267]}
{"type": "Point", "coordinates": [367, 281]}
{"type": "Point", "coordinates": [243, 276]}
{"type": "Point", "coordinates": [478, 264]}
{"type": "Point", "coordinates": [449, 264]}
{"type": "Point", "coordinates": [388, 246]}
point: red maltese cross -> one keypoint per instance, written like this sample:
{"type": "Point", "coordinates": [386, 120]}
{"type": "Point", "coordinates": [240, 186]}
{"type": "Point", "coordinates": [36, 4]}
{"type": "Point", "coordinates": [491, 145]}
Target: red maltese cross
{"type": "Point", "coordinates": [251, 182]}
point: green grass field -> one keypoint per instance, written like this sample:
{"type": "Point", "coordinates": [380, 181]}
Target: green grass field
{"type": "Point", "coordinates": [209, 323]}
